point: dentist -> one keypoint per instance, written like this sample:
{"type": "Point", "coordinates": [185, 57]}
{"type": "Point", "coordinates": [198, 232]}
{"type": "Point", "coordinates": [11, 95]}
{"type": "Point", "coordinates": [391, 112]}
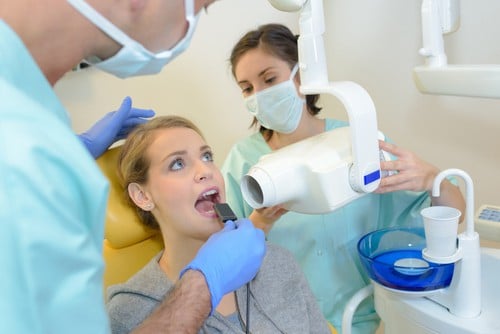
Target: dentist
{"type": "Point", "coordinates": [53, 197]}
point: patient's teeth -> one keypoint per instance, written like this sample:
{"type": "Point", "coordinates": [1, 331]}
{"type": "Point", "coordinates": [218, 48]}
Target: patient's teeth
{"type": "Point", "coordinates": [208, 193]}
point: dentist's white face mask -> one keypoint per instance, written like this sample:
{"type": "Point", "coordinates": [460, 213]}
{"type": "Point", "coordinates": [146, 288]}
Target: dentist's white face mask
{"type": "Point", "coordinates": [279, 107]}
{"type": "Point", "coordinates": [133, 58]}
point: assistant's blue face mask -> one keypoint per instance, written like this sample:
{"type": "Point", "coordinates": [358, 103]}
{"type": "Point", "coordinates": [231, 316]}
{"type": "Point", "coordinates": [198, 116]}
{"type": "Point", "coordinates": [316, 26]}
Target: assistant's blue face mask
{"type": "Point", "coordinates": [279, 107]}
{"type": "Point", "coordinates": [133, 58]}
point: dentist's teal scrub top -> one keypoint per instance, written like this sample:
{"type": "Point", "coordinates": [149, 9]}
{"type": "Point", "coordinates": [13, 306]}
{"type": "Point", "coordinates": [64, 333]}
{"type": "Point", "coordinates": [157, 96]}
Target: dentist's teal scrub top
{"type": "Point", "coordinates": [52, 205]}
{"type": "Point", "coordinates": [325, 244]}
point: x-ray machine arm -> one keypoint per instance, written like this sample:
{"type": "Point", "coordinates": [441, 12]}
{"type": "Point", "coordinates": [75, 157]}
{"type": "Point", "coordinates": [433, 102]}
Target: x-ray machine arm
{"type": "Point", "coordinates": [365, 171]}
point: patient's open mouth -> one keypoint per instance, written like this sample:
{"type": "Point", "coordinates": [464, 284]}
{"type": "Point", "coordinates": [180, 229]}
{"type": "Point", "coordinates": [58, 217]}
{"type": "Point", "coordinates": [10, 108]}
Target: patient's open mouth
{"type": "Point", "coordinates": [205, 203]}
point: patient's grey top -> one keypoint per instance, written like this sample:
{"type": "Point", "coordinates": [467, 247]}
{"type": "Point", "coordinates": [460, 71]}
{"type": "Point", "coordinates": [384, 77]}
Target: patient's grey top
{"type": "Point", "coordinates": [280, 300]}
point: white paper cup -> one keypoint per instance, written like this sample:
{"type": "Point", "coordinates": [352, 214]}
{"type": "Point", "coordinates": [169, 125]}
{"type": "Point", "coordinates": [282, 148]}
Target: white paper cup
{"type": "Point", "coordinates": [441, 228]}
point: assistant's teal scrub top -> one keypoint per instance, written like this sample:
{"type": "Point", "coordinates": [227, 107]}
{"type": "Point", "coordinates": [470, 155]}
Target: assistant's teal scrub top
{"type": "Point", "coordinates": [325, 244]}
{"type": "Point", "coordinates": [52, 205]}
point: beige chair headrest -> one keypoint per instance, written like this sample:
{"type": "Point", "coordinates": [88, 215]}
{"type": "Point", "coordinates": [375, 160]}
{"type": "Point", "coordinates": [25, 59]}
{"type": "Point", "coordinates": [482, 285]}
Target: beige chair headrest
{"type": "Point", "coordinates": [123, 227]}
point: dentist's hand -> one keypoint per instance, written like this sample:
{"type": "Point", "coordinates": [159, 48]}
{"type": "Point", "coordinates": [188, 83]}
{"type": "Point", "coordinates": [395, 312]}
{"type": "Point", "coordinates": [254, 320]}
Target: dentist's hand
{"type": "Point", "coordinates": [230, 258]}
{"type": "Point", "coordinates": [113, 126]}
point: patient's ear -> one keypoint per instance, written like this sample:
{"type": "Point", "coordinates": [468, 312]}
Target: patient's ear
{"type": "Point", "coordinates": [140, 196]}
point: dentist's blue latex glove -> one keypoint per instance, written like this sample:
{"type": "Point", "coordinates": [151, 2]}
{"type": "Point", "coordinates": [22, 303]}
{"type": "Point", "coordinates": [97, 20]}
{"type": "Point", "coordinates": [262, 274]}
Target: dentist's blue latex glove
{"type": "Point", "coordinates": [230, 258]}
{"type": "Point", "coordinates": [113, 126]}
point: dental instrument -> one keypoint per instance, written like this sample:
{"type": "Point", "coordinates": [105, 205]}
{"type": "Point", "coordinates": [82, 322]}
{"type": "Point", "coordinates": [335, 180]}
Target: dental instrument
{"type": "Point", "coordinates": [352, 159]}
{"type": "Point", "coordinates": [224, 212]}
{"type": "Point", "coordinates": [437, 76]}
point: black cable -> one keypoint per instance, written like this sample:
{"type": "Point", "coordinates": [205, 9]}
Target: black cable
{"type": "Point", "coordinates": [248, 309]}
{"type": "Point", "coordinates": [223, 210]}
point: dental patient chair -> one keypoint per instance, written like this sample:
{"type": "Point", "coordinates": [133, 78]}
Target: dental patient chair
{"type": "Point", "coordinates": [128, 245]}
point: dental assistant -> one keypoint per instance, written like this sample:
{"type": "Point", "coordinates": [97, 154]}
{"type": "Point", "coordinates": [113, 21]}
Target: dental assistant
{"type": "Point", "coordinates": [53, 197]}
{"type": "Point", "coordinates": [264, 64]}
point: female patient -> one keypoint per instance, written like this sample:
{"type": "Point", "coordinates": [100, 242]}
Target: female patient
{"type": "Point", "coordinates": [168, 171]}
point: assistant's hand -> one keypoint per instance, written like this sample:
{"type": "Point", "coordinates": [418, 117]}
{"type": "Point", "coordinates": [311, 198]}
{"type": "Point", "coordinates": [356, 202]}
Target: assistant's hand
{"type": "Point", "coordinates": [412, 174]}
{"type": "Point", "coordinates": [113, 126]}
{"type": "Point", "coordinates": [230, 258]}
{"type": "Point", "coordinates": [264, 218]}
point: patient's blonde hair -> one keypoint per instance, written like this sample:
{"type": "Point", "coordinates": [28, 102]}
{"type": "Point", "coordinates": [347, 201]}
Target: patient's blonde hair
{"type": "Point", "coordinates": [133, 163]}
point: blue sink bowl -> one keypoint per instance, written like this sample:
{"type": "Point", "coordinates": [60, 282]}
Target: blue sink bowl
{"type": "Point", "coordinates": [393, 258]}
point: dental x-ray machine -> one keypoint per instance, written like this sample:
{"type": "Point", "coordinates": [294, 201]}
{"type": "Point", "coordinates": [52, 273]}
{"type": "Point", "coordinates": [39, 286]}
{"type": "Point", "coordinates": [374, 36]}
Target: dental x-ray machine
{"type": "Point", "coordinates": [329, 170]}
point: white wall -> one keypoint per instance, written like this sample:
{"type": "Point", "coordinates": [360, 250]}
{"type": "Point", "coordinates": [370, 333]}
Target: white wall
{"type": "Point", "coordinates": [198, 84]}
{"type": "Point", "coordinates": [374, 43]}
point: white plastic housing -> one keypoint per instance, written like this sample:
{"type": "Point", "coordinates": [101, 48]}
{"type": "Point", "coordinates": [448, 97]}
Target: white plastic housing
{"type": "Point", "coordinates": [459, 80]}
{"type": "Point", "coordinates": [310, 176]}
{"type": "Point", "coordinates": [365, 170]}
{"type": "Point", "coordinates": [410, 314]}
{"type": "Point", "coordinates": [437, 76]}
{"type": "Point", "coordinates": [463, 297]}
{"type": "Point", "coordinates": [288, 5]}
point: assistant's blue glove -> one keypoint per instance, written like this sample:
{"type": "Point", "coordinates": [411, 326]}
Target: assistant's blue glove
{"type": "Point", "coordinates": [230, 258]}
{"type": "Point", "coordinates": [113, 126]}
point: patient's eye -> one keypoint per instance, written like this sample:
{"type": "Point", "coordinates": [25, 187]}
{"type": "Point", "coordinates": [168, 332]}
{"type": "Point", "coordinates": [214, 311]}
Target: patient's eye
{"type": "Point", "coordinates": [177, 164]}
{"type": "Point", "coordinates": [208, 156]}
